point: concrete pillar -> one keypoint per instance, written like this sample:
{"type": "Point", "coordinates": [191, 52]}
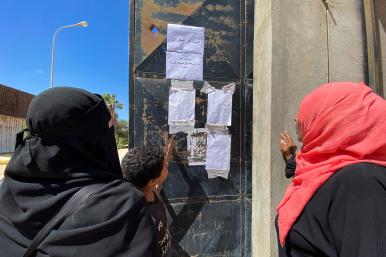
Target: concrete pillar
{"type": "Point", "coordinates": [261, 160]}
{"type": "Point", "coordinates": [297, 46]}
{"type": "Point", "coordinates": [380, 7]}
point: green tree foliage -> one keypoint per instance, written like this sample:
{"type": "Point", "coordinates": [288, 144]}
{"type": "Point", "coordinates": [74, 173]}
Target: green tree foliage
{"type": "Point", "coordinates": [122, 134]}
{"type": "Point", "coordinates": [112, 102]}
{"type": "Point", "coordinates": [121, 126]}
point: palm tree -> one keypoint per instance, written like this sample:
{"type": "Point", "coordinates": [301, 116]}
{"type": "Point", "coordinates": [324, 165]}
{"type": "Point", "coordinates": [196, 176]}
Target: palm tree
{"type": "Point", "coordinates": [111, 101]}
{"type": "Point", "coordinates": [113, 104]}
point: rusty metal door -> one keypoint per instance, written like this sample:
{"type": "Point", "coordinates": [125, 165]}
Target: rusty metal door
{"type": "Point", "coordinates": [208, 217]}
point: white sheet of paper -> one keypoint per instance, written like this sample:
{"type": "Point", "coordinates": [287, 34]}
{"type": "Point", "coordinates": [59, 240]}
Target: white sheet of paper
{"type": "Point", "coordinates": [219, 108]}
{"type": "Point", "coordinates": [207, 88]}
{"type": "Point", "coordinates": [184, 66]}
{"type": "Point", "coordinates": [174, 129]}
{"type": "Point", "coordinates": [216, 173]}
{"type": "Point", "coordinates": [218, 152]}
{"type": "Point", "coordinates": [182, 84]}
{"type": "Point", "coordinates": [181, 107]}
{"type": "Point", "coordinates": [187, 39]}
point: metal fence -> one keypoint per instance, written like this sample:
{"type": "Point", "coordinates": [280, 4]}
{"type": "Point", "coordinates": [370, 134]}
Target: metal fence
{"type": "Point", "coordinates": [9, 127]}
{"type": "Point", "coordinates": [14, 102]}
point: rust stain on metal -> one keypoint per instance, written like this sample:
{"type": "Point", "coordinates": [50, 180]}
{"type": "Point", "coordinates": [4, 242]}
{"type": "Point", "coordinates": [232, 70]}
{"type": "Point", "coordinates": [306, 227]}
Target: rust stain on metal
{"type": "Point", "coordinates": [145, 136]}
{"type": "Point", "coordinates": [229, 21]}
{"type": "Point", "coordinates": [225, 20]}
{"type": "Point", "coordinates": [215, 40]}
{"type": "Point", "coordinates": [219, 8]}
{"type": "Point", "coordinates": [150, 41]}
{"type": "Point", "coordinates": [145, 118]}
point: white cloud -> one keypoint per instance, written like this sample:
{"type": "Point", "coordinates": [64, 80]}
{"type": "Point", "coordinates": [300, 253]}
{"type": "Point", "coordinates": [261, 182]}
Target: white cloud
{"type": "Point", "coordinates": [40, 71]}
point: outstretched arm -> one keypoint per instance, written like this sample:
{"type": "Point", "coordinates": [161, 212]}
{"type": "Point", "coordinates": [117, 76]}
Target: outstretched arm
{"type": "Point", "coordinates": [168, 156]}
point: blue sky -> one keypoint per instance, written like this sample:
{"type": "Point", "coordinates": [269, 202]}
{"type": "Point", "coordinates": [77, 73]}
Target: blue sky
{"type": "Point", "coordinates": [94, 58]}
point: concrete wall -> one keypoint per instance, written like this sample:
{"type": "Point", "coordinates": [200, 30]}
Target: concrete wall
{"type": "Point", "coordinates": [298, 46]}
{"type": "Point", "coordinates": [380, 12]}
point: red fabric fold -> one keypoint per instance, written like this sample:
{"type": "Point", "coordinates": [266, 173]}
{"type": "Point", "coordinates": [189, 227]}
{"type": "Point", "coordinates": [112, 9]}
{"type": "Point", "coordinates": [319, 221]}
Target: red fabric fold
{"type": "Point", "coordinates": [343, 123]}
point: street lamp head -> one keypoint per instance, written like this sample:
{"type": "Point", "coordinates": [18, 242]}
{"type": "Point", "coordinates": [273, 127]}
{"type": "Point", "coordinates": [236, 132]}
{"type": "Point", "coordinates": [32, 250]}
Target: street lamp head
{"type": "Point", "coordinates": [79, 24]}
{"type": "Point", "coordinates": [82, 24]}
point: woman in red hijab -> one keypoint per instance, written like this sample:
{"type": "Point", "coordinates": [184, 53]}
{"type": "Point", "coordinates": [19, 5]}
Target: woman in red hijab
{"type": "Point", "coordinates": [335, 205]}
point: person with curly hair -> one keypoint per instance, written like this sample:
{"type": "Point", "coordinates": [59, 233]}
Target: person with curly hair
{"type": "Point", "coordinates": [146, 168]}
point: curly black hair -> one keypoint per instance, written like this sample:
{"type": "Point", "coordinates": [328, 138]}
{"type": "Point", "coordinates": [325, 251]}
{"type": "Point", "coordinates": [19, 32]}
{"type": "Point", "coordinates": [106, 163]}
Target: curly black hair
{"type": "Point", "coordinates": [142, 164]}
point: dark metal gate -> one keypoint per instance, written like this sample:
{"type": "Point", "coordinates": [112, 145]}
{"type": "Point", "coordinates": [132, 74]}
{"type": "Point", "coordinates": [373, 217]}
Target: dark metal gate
{"type": "Point", "coordinates": [207, 217]}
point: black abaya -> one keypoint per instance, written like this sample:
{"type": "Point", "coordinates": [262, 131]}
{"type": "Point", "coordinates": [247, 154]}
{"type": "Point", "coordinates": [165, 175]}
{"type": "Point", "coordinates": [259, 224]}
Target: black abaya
{"type": "Point", "coordinates": [345, 218]}
{"type": "Point", "coordinates": [70, 146]}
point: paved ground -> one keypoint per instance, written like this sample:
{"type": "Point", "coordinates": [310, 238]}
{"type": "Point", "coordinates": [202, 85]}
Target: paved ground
{"type": "Point", "coordinates": [121, 153]}
{"type": "Point", "coordinates": [2, 167]}
{"type": "Point", "coordinates": [4, 158]}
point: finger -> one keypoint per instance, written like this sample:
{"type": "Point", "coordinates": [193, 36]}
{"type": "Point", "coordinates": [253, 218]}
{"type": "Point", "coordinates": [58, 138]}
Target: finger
{"type": "Point", "coordinates": [282, 145]}
{"type": "Point", "coordinates": [291, 141]}
{"type": "Point", "coordinates": [285, 138]}
{"type": "Point", "coordinates": [288, 138]}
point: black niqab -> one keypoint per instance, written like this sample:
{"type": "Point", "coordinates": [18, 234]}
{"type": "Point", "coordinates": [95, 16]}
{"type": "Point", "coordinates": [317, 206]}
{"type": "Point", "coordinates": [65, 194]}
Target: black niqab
{"type": "Point", "coordinates": [68, 147]}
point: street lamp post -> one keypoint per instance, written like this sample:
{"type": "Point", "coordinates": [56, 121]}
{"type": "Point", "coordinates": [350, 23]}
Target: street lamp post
{"type": "Point", "coordinates": [79, 24]}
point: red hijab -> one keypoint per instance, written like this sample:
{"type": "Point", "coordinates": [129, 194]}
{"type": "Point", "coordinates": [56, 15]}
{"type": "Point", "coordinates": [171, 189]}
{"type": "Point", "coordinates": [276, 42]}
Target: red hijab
{"type": "Point", "coordinates": [342, 123]}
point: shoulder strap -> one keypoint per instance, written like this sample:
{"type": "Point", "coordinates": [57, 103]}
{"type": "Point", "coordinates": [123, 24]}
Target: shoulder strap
{"type": "Point", "coordinates": [68, 208]}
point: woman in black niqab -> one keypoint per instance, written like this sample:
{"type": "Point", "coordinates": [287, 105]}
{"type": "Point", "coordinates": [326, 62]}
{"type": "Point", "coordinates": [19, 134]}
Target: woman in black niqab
{"type": "Point", "coordinates": [70, 145]}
